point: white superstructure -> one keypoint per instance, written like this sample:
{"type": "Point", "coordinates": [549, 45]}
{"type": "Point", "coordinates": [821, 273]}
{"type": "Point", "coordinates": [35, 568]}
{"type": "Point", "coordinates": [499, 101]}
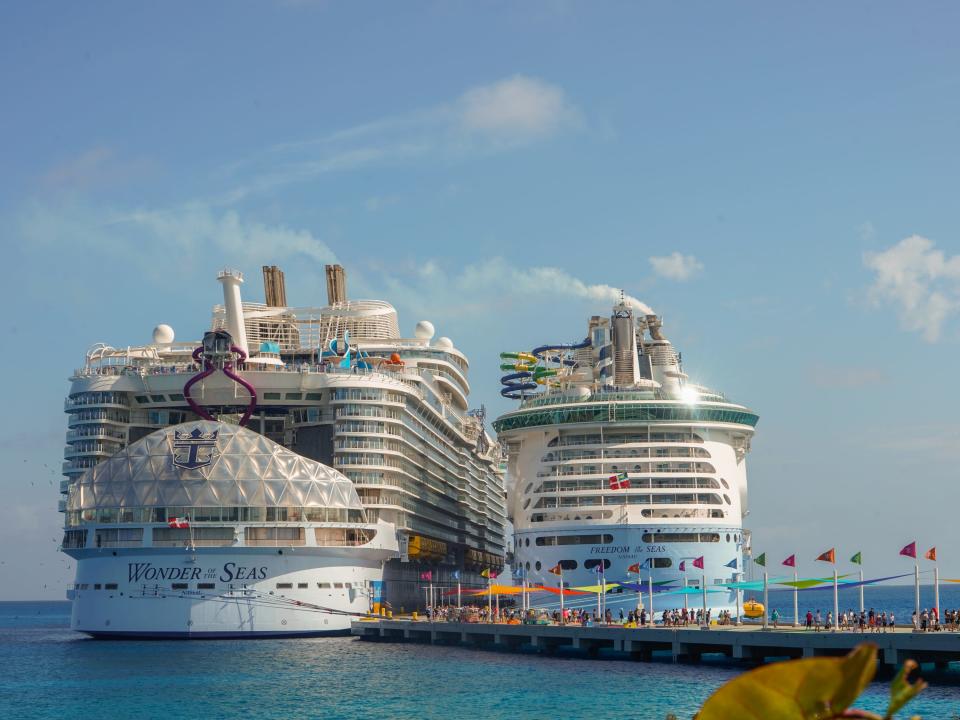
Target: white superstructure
{"type": "Point", "coordinates": [337, 384]}
{"type": "Point", "coordinates": [207, 529]}
{"type": "Point", "coordinates": [616, 459]}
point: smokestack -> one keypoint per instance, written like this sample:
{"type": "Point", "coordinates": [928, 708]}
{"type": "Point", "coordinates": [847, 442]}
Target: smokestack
{"type": "Point", "coordinates": [233, 308]}
{"type": "Point", "coordinates": [274, 286]}
{"type": "Point", "coordinates": [336, 285]}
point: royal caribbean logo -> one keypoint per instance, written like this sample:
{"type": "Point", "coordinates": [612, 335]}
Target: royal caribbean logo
{"type": "Point", "coordinates": [194, 449]}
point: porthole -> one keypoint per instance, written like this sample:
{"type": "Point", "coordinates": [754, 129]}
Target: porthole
{"type": "Point", "coordinates": [538, 566]}
{"type": "Point", "coordinates": [527, 488]}
{"type": "Point", "coordinates": [568, 564]}
{"type": "Point", "coordinates": [528, 567]}
{"type": "Point", "coordinates": [527, 542]}
{"type": "Point", "coordinates": [724, 483]}
{"type": "Point", "coordinates": [728, 537]}
{"type": "Point", "coordinates": [727, 498]}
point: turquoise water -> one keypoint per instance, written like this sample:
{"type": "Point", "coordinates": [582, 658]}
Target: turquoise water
{"type": "Point", "coordinates": [50, 672]}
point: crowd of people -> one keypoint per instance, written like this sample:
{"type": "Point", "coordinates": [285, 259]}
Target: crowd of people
{"type": "Point", "coordinates": [677, 617]}
{"type": "Point", "coordinates": [851, 620]}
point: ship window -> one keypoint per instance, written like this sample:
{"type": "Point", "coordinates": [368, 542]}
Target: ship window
{"type": "Point", "coordinates": [284, 586]}
{"type": "Point", "coordinates": [294, 396]}
{"type": "Point", "coordinates": [273, 536]}
{"type": "Point", "coordinates": [73, 539]}
{"type": "Point", "coordinates": [662, 562]}
{"type": "Point", "coordinates": [323, 586]}
{"type": "Point", "coordinates": [662, 537]}
{"type": "Point", "coordinates": [142, 399]}
{"type": "Point", "coordinates": [179, 586]}
{"type": "Point", "coordinates": [314, 396]}
{"type": "Point", "coordinates": [205, 586]}
{"type": "Point", "coordinates": [727, 498]}
{"type": "Point", "coordinates": [728, 537]}
{"type": "Point", "coordinates": [302, 586]}
{"type": "Point", "coordinates": [96, 586]}
{"type": "Point", "coordinates": [110, 586]}
{"type": "Point", "coordinates": [538, 565]}
{"type": "Point", "coordinates": [591, 564]}
{"type": "Point", "coordinates": [528, 567]}
{"type": "Point", "coordinates": [338, 585]}
{"type": "Point", "coordinates": [568, 564]}
{"type": "Point", "coordinates": [158, 398]}
{"type": "Point", "coordinates": [527, 543]}
{"type": "Point", "coordinates": [724, 483]}
{"type": "Point", "coordinates": [176, 396]}
{"type": "Point", "coordinates": [271, 396]}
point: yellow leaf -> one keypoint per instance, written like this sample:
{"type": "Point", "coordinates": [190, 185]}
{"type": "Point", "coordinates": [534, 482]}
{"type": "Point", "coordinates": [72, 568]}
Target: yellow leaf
{"type": "Point", "coordinates": [809, 689]}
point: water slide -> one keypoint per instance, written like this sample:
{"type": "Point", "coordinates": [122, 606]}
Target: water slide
{"type": "Point", "coordinates": [528, 373]}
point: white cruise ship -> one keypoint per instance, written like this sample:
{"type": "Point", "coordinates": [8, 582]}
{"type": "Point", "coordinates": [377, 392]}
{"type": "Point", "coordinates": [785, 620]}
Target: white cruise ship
{"type": "Point", "coordinates": [616, 458]}
{"type": "Point", "coordinates": [207, 529]}
{"type": "Point", "coordinates": [336, 384]}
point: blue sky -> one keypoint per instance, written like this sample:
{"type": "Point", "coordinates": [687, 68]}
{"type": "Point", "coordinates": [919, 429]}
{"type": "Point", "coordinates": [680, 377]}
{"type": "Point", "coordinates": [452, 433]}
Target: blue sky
{"type": "Point", "coordinates": [778, 182]}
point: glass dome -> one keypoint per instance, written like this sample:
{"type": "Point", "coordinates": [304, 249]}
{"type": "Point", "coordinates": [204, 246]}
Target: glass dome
{"type": "Point", "coordinates": [210, 464]}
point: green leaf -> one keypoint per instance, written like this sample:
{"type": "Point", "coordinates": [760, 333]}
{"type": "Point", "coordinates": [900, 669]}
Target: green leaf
{"type": "Point", "coordinates": [809, 689]}
{"type": "Point", "coordinates": [901, 690]}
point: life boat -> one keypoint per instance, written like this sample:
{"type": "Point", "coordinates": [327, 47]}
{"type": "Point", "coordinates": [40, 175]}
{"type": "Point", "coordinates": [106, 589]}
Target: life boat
{"type": "Point", "coordinates": [753, 609]}
{"type": "Point", "coordinates": [394, 363]}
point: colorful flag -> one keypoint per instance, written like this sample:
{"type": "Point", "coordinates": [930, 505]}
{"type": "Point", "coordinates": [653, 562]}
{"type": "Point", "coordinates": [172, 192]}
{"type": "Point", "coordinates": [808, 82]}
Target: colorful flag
{"type": "Point", "coordinates": [857, 559]}
{"type": "Point", "coordinates": [683, 566]}
{"type": "Point", "coordinates": [456, 575]}
{"type": "Point", "coordinates": [488, 573]}
{"type": "Point", "coordinates": [732, 564]}
{"type": "Point", "coordinates": [791, 561]}
{"type": "Point", "coordinates": [829, 556]}
{"type": "Point", "coordinates": [556, 569]}
{"type": "Point", "coordinates": [910, 550]}
{"type": "Point", "coordinates": [619, 482]}
{"type": "Point", "coordinates": [426, 575]}
{"type": "Point", "coordinates": [698, 562]}
{"type": "Point", "coordinates": [599, 568]}
{"type": "Point", "coordinates": [647, 564]}
{"type": "Point", "coordinates": [931, 554]}
{"type": "Point", "coordinates": [761, 559]}
{"type": "Point", "coordinates": [180, 523]}
{"type": "Point", "coordinates": [635, 568]}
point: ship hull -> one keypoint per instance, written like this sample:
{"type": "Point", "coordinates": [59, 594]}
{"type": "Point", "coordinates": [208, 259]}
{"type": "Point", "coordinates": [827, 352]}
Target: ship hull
{"type": "Point", "coordinates": [235, 593]}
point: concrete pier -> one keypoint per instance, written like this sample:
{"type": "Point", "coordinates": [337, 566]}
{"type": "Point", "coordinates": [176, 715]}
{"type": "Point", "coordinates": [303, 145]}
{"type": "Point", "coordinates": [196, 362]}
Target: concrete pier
{"type": "Point", "coordinates": [751, 644]}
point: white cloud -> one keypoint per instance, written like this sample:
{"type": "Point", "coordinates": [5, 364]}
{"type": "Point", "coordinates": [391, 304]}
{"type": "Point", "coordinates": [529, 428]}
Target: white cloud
{"type": "Point", "coordinates": [479, 288]}
{"type": "Point", "coordinates": [919, 281]}
{"type": "Point", "coordinates": [517, 108]}
{"type": "Point", "coordinates": [153, 239]}
{"type": "Point", "coordinates": [676, 266]}
{"type": "Point", "coordinates": [502, 115]}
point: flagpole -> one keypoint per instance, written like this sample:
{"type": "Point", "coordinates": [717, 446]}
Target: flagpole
{"type": "Point", "coordinates": [936, 591]}
{"type": "Point", "coordinates": [796, 600]}
{"type": "Point", "coordinates": [489, 599]}
{"type": "Point", "coordinates": [916, 594]}
{"type": "Point", "coordinates": [650, 591]}
{"type": "Point", "coordinates": [739, 620]}
{"type": "Point", "coordinates": [861, 589]}
{"type": "Point", "coordinates": [561, 595]}
{"type": "Point", "coordinates": [703, 587]}
{"type": "Point", "coordinates": [836, 603]}
{"type": "Point", "coordinates": [459, 604]}
{"type": "Point", "coordinates": [684, 591]}
{"type": "Point", "coordinates": [766, 609]}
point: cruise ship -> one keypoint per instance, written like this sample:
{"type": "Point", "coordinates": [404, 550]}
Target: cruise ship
{"type": "Point", "coordinates": [207, 529]}
{"type": "Point", "coordinates": [336, 384]}
{"type": "Point", "coordinates": [616, 460]}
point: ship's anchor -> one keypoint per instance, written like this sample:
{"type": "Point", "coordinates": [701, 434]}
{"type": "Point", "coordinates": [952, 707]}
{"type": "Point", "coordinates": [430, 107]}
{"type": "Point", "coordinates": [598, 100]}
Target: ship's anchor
{"type": "Point", "coordinates": [218, 353]}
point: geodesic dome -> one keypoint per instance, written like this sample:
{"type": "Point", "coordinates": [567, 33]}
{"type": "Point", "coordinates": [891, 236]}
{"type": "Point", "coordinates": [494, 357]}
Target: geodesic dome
{"type": "Point", "coordinates": [210, 464]}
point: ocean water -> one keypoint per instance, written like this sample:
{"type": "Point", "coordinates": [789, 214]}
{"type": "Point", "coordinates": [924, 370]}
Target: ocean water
{"type": "Point", "coordinates": [50, 672]}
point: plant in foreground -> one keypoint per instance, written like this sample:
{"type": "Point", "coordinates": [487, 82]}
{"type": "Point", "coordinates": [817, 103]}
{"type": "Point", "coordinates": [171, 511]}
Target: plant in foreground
{"type": "Point", "coordinates": [809, 689]}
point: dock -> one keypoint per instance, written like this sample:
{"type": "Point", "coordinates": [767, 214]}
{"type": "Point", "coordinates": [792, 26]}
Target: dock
{"type": "Point", "coordinates": [751, 644]}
